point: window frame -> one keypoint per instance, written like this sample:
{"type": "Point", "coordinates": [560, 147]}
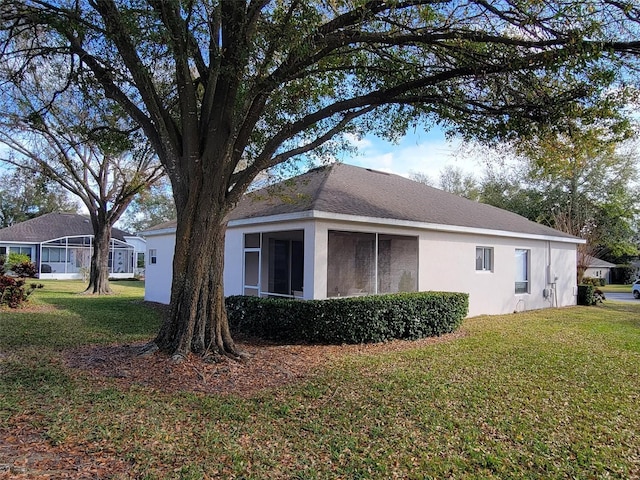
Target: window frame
{"type": "Point", "coordinates": [484, 267]}
{"type": "Point", "coordinates": [527, 272]}
{"type": "Point", "coordinates": [366, 272]}
{"type": "Point", "coordinates": [153, 256]}
{"type": "Point", "coordinates": [21, 250]}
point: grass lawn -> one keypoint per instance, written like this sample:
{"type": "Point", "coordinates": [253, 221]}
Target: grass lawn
{"type": "Point", "coordinates": [546, 394]}
{"type": "Point", "coordinates": [616, 288]}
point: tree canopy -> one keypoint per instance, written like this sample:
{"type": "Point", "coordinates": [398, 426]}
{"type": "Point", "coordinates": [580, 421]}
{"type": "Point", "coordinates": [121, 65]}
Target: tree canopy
{"type": "Point", "coordinates": [226, 89]}
{"type": "Point", "coordinates": [150, 207]}
{"type": "Point", "coordinates": [25, 195]}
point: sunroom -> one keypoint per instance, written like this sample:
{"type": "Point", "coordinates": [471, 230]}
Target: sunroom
{"type": "Point", "coordinates": [70, 257]}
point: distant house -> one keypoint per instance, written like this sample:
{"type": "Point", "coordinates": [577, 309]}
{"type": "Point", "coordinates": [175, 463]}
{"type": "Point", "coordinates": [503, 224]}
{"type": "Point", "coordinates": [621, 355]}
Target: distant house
{"type": "Point", "coordinates": [598, 268]}
{"type": "Point", "coordinates": [341, 230]}
{"type": "Point", "coordinates": [636, 266]}
{"type": "Point", "coordinates": [61, 245]}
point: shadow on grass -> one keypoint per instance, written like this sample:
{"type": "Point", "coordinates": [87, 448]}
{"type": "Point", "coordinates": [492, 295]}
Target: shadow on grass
{"type": "Point", "coordinates": [64, 318]}
{"type": "Point", "coordinates": [112, 314]}
{"type": "Point", "coordinates": [629, 310]}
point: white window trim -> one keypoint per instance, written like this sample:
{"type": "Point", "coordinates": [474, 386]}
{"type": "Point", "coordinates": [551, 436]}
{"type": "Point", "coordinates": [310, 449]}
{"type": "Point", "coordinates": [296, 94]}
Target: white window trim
{"type": "Point", "coordinates": [484, 269]}
{"type": "Point", "coordinates": [528, 272]}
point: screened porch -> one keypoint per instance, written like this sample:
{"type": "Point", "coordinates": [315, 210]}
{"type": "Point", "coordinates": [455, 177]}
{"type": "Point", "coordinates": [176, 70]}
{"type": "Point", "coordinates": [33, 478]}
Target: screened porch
{"type": "Point", "coordinates": [274, 264]}
{"type": "Point", "coordinates": [71, 256]}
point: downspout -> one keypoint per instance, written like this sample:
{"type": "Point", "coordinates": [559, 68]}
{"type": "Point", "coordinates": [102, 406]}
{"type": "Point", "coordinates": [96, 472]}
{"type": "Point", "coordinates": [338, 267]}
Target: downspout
{"type": "Point", "coordinates": [375, 266]}
{"type": "Point", "coordinates": [551, 278]}
{"type": "Point", "coordinates": [39, 254]}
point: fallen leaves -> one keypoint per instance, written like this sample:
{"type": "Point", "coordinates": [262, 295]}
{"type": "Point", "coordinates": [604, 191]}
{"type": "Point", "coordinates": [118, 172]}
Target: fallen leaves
{"type": "Point", "coordinates": [27, 453]}
{"type": "Point", "coordinates": [267, 366]}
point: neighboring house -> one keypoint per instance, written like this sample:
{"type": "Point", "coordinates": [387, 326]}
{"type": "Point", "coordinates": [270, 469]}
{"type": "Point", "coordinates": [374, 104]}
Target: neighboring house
{"type": "Point", "coordinates": [342, 230]}
{"type": "Point", "coordinates": [598, 269]}
{"type": "Point", "coordinates": [636, 266]}
{"type": "Point", "coordinates": [61, 244]}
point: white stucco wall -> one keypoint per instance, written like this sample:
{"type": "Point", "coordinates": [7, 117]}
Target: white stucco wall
{"type": "Point", "coordinates": [158, 275]}
{"type": "Point", "coordinates": [446, 262]}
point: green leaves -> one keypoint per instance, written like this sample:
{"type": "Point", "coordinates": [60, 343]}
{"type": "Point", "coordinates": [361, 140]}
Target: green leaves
{"type": "Point", "coordinates": [375, 318]}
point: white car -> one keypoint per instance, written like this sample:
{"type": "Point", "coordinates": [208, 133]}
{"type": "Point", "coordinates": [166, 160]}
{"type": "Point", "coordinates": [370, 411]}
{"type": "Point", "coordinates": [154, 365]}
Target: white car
{"type": "Point", "coordinates": [635, 289]}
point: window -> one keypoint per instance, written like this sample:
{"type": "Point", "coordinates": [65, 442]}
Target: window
{"type": "Point", "coordinates": [522, 271]}
{"type": "Point", "coordinates": [484, 259]}
{"type": "Point", "coordinates": [252, 264]}
{"type": "Point", "coordinates": [370, 263]}
{"type": "Point", "coordinates": [53, 254]}
{"type": "Point", "coordinates": [153, 256]}
{"type": "Point", "coordinates": [21, 250]}
{"type": "Point", "coordinates": [140, 260]}
{"type": "Point", "coordinates": [3, 250]}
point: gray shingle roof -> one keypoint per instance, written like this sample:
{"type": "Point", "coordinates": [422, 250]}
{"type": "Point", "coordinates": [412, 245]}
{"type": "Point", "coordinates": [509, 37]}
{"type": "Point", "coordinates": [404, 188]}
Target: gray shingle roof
{"type": "Point", "coordinates": [50, 226]}
{"type": "Point", "coordinates": [594, 262]}
{"type": "Point", "coordinates": [345, 189]}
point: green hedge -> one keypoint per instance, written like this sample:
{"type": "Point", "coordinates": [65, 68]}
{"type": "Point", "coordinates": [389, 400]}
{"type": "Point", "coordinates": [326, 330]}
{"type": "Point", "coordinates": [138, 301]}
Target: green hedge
{"type": "Point", "coordinates": [373, 318]}
{"type": "Point", "coordinates": [586, 295]}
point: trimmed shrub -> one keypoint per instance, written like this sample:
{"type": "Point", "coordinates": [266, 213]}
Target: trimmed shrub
{"type": "Point", "coordinates": [586, 295]}
{"type": "Point", "coordinates": [374, 318]}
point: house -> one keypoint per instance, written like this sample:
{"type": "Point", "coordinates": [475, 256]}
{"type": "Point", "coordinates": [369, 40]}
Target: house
{"type": "Point", "coordinates": [636, 265]}
{"type": "Point", "coordinates": [341, 230]}
{"type": "Point", "coordinates": [61, 245]}
{"type": "Point", "coordinates": [598, 268]}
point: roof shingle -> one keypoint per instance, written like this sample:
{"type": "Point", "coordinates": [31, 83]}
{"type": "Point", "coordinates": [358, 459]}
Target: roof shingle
{"type": "Point", "coordinates": [345, 189]}
{"type": "Point", "coordinates": [51, 226]}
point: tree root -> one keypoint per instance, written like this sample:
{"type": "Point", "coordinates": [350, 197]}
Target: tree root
{"type": "Point", "coordinates": [178, 357]}
{"type": "Point", "coordinates": [148, 350]}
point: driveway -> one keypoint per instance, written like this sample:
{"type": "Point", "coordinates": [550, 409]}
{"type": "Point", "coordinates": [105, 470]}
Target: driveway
{"type": "Point", "coordinates": [621, 297]}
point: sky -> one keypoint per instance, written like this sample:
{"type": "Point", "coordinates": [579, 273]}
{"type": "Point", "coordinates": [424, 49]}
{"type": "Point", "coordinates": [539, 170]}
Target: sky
{"type": "Point", "coordinates": [426, 152]}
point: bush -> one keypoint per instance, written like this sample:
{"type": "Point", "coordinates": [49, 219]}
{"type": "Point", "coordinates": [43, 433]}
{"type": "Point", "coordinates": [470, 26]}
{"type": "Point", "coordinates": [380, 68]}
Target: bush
{"type": "Point", "coordinates": [595, 281]}
{"type": "Point", "coordinates": [24, 269]}
{"type": "Point", "coordinates": [16, 258]}
{"type": "Point", "coordinates": [586, 295]}
{"type": "Point", "coordinates": [13, 291]}
{"type": "Point", "coordinates": [19, 264]}
{"type": "Point", "coordinates": [374, 318]}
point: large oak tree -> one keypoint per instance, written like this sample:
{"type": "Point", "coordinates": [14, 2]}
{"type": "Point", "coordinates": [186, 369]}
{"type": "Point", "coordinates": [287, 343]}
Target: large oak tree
{"type": "Point", "coordinates": [226, 89]}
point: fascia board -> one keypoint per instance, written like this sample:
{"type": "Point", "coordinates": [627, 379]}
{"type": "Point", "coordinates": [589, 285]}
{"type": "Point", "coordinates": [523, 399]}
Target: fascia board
{"type": "Point", "coordinates": [338, 217]}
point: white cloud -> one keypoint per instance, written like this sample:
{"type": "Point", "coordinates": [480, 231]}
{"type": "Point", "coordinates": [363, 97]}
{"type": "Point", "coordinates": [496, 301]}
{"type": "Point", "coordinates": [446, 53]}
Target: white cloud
{"type": "Point", "coordinates": [428, 154]}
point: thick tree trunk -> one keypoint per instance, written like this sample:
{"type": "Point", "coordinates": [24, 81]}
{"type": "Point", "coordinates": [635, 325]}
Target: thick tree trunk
{"type": "Point", "coordinates": [99, 273]}
{"type": "Point", "coordinates": [197, 319]}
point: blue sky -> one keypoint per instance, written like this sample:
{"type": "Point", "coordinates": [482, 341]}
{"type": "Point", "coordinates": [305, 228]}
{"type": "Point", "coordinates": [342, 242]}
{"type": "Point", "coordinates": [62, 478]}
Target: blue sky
{"type": "Point", "coordinates": [421, 151]}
